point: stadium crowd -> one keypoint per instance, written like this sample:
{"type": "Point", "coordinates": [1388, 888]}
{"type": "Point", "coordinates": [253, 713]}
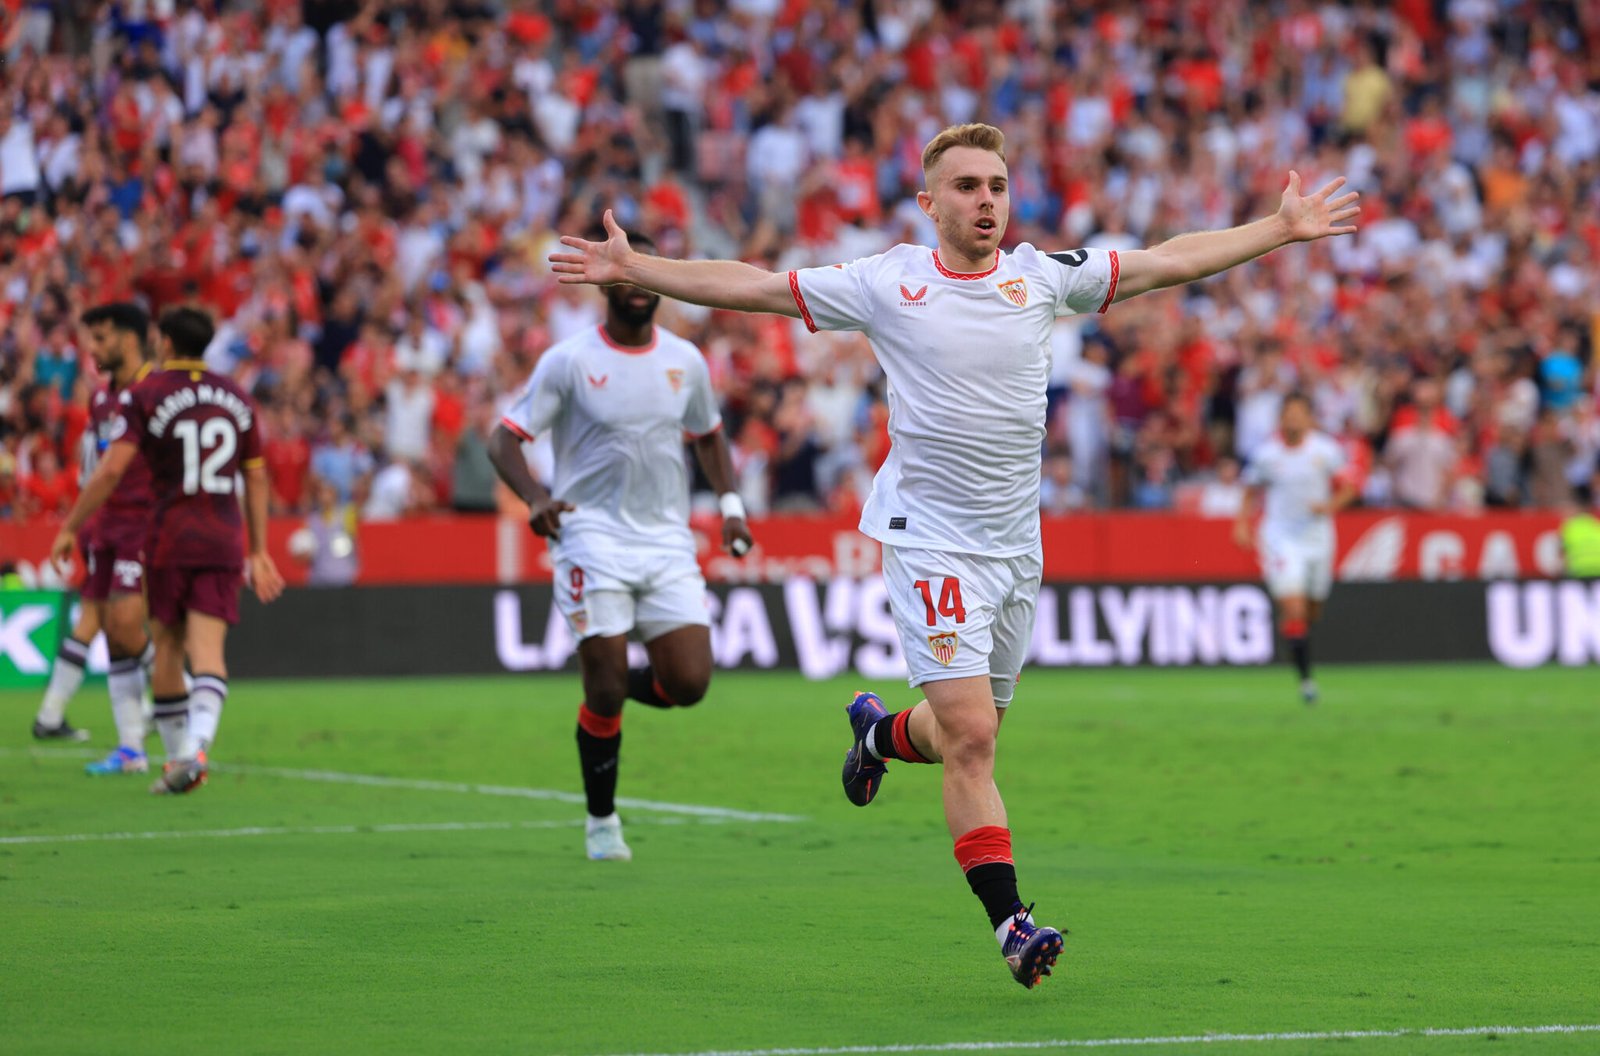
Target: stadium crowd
{"type": "Point", "coordinates": [364, 193]}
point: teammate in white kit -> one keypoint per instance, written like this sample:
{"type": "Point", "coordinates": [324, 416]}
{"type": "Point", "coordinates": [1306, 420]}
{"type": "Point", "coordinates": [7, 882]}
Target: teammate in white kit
{"type": "Point", "coordinates": [1300, 472]}
{"type": "Point", "coordinates": [619, 400]}
{"type": "Point", "coordinates": [962, 332]}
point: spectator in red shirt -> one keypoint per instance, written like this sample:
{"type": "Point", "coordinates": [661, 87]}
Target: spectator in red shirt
{"type": "Point", "coordinates": [46, 490]}
{"type": "Point", "coordinates": [287, 452]}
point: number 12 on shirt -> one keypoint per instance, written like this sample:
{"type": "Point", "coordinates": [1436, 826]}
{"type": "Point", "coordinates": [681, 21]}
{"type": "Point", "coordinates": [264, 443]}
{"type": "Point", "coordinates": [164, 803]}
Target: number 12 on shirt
{"type": "Point", "coordinates": [949, 600]}
{"type": "Point", "coordinates": [219, 439]}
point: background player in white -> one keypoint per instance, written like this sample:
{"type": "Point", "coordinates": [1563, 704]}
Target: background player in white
{"type": "Point", "coordinates": [619, 400]}
{"type": "Point", "coordinates": [963, 335]}
{"type": "Point", "coordinates": [1299, 470]}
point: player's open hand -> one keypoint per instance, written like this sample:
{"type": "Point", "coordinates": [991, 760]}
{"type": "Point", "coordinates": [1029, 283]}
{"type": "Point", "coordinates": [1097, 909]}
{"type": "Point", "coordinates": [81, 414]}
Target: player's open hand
{"type": "Point", "coordinates": [736, 538]}
{"type": "Point", "coordinates": [265, 579]}
{"type": "Point", "coordinates": [600, 263]}
{"type": "Point", "coordinates": [545, 518]}
{"type": "Point", "coordinates": [61, 550]}
{"type": "Point", "coordinates": [1317, 215]}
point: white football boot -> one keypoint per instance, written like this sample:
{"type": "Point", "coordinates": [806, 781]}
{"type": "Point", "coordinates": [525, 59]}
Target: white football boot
{"type": "Point", "coordinates": [603, 838]}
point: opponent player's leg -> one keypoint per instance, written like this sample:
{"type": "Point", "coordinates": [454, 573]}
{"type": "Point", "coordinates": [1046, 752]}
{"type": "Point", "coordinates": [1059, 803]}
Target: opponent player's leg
{"type": "Point", "coordinates": [204, 643]}
{"type": "Point", "coordinates": [127, 643]}
{"type": "Point", "coordinates": [66, 676]}
{"type": "Point", "coordinates": [192, 711]}
{"type": "Point", "coordinates": [171, 695]}
{"type": "Point", "coordinates": [603, 661]}
{"type": "Point", "coordinates": [190, 612]}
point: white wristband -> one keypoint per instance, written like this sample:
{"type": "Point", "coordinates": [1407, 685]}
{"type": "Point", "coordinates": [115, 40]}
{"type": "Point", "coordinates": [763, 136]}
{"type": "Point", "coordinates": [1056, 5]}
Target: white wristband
{"type": "Point", "coordinates": [732, 505]}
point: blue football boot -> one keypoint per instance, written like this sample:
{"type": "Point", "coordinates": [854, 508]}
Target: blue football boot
{"type": "Point", "coordinates": [1030, 950]}
{"type": "Point", "coordinates": [120, 761]}
{"type": "Point", "coordinates": [863, 772]}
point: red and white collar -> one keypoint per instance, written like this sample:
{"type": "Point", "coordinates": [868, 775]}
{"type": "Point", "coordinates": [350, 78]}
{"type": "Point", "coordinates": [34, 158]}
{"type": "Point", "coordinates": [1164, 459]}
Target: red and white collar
{"type": "Point", "coordinates": [965, 276]}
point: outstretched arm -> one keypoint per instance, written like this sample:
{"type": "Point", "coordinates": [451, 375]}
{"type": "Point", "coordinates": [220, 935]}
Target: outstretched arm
{"type": "Point", "coordinates": [1194, 256]}
{"type": "Point", "coordinates": [714, 283]}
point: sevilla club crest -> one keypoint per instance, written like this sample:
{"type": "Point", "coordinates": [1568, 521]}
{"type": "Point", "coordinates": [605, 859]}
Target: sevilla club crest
{"type": "Point", "coordinates": [675, 379]}
{"type": "Point", "coordinates": [1016, 291]}
{"type": "Point", "coordinates": [944, 646]}
{"type": "Point", "coordinates": [580, 623]}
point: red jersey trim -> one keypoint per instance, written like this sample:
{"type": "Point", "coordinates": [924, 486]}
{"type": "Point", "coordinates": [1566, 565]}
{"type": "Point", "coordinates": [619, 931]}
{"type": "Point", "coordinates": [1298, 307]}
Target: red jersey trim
{"type": "Point", "coordinates": [701, 436]}
{"type": "Point", "coordinates": [515, 428]}
{"type": "Point", "coordinates": [1116, 272]}
{"type": "Point", "coordinates": [631, 350]}
{"type": "Point", "coordinates": [963, 276]}
{"type": "Point", "coordinates": [800, 301]}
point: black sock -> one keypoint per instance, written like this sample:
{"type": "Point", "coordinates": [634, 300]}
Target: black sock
{"type": "Point", "coordinates": [881, 739]}
{"type": "Point", "coordinates": [995, 884]}
{"type": "Point", "coordinates": [598, 757]}
{"type": "Point", "coordinates": [643, 688]}
{"type": "Point", "coordinates": [1300, 649]}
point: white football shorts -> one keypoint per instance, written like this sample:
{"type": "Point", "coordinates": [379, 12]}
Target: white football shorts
{"type": "Point", "coordinates": [1297, 567]}
{"type": "Point", "coordinates": [605, 589]}
{"type": "Point", "coordinates": [961, 615]}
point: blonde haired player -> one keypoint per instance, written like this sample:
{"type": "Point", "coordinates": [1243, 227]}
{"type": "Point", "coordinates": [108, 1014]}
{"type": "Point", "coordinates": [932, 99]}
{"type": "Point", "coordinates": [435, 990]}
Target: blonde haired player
{"type": "Point", "coordinates": [1300, 471]}
{"type": "Point", "coordinates": [962, 332]}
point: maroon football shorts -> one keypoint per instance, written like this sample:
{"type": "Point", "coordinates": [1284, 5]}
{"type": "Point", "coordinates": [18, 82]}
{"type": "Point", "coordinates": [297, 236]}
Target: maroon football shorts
{"type": "Point", "coordinates": [175, 591]}
{"type": "Point", "coordinates": [111, 566]}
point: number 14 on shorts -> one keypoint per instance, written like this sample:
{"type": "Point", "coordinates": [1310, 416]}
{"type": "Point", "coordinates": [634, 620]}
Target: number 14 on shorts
{"type": "Point", "coordinates": [949, 600]}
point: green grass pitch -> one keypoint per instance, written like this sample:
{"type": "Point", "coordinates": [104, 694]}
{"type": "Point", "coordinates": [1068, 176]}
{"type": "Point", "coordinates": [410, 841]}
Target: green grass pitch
{"type": "Point", "coordinates": [1420, 851]}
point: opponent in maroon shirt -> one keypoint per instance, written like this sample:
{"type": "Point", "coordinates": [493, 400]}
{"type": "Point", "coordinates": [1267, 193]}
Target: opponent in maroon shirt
{"type": "Point", "coordinates": [112, 543]}
{"type": "Point", "coordinates": [197, 432]}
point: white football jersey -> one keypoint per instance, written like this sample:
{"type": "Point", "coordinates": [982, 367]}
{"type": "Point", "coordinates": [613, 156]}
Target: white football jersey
{"type": "Point", "coordinates": [1296, 479]}
{"type": "Point", "coordinates": [617, 417]}
{"type": "Point", "coordinates": [968, 360]}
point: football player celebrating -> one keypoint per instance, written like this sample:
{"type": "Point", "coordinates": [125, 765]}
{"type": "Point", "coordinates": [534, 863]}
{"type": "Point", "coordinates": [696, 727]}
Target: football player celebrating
{"type": "Point", "coordinates": [618, 401]}
{"type": "Point", "coordinates": [196, 431]}
{"type": "Point", "coordinates": [962, 332]}
{"type": "Point", "coordinates": [1300, 472]}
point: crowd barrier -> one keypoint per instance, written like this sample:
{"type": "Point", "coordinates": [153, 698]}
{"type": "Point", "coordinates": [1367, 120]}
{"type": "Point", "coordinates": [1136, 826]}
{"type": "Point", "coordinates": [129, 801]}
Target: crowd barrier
{"type": "Point", "coordinates": [822, 629]}
{"type": "Point", "coordinates": [1108, 547]}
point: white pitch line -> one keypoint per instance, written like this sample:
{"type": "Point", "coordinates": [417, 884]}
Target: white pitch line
{"type": "Point", "coordinates": [307, 830]}
{"type": "Point", "coordinates": [517, 792]}
{"type": "Point", "coordinates": [1181, 1039]}
{"type": "Point", "coordinates": [695, 810]}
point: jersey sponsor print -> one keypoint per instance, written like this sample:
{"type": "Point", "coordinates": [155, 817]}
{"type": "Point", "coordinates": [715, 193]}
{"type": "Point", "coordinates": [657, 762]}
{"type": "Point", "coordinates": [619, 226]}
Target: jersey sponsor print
{"type": "Point", "coordinates": [968, 360]}
{"type": "Point", "coordinates": [617, 417]}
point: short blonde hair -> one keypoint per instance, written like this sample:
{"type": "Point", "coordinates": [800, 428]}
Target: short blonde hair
{"type": "Point", "coordinates": [983, 137]}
